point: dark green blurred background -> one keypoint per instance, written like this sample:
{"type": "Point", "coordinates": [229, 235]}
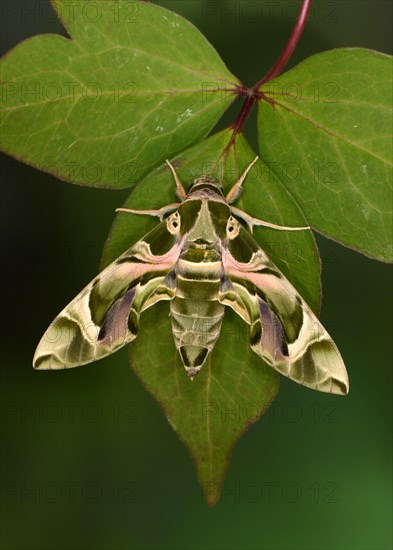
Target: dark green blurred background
{"type": "Point", "coordinates": [88, 460]}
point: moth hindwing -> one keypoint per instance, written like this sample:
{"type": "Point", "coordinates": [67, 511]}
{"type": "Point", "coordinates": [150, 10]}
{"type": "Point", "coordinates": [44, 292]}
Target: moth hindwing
{"type": "Point", "coordinates": [201, 259]}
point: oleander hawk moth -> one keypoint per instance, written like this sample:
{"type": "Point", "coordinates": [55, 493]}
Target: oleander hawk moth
{"type": "Point", "coordinates": [201, 257]}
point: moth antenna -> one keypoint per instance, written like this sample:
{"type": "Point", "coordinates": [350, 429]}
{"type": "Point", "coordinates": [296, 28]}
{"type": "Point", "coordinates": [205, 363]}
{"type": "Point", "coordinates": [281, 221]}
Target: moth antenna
{"type": "Point", "coordinates": [250, 221]}
{"type": "Point", "coordinates": [181, 192]}
{"type": "Point", "coordinates": [237, 188]}
{"type": "Point", "coordinates": [159, 213]}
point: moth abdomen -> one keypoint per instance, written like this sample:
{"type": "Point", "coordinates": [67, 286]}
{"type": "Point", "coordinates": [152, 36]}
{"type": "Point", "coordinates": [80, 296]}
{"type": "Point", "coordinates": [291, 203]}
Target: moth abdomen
{"type": "Point", "coordinates": [196, 326]}
{"type": "Point", "coordinates": [193, 358]}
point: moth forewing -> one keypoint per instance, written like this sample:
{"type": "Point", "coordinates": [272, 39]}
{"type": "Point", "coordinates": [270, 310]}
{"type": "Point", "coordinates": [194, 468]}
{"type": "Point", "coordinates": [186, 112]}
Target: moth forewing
{"type": "Point", "coordinates": [105, 315]}
{"type": "Point", "coordinates": [284, 331]}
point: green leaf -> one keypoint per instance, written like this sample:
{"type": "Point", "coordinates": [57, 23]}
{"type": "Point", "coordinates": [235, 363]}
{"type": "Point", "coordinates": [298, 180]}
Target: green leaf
{"type": "Point", "coordinates": [326, 131]}
{"type": "Point", "coordinates": [134, 85]}
{"type": "Point", "coordinates": [234, 388]}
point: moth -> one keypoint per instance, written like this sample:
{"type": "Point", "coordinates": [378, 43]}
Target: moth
{"type": "Point", "coordinates": [202, 258]}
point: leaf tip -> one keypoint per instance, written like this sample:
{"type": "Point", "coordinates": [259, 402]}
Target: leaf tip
{"type": "Point", "coordinates": [211, 493]}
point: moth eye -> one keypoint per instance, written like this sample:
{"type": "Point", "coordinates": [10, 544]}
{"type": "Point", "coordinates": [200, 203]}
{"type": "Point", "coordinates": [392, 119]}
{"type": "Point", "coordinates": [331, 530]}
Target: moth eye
{"type": "Point", "coordinates": [173, 223]}
{"type": "Point", "coordinates": [232, 228]}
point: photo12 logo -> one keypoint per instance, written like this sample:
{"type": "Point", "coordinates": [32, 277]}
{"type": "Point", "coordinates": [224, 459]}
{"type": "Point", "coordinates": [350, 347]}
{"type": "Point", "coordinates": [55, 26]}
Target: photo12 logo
{"type": "Point", "coordinates": [267, 11]}
{"type": "Point", "coordinates": [290, 412]}
{"type": "Point", "coordinates": [72, 412]}
{"type": "Point", "coordinates": [69, 492]}
{"type": "Point", "coordinates": [274, 492]}
{"type": "Point", "coordinates": [89, 11]}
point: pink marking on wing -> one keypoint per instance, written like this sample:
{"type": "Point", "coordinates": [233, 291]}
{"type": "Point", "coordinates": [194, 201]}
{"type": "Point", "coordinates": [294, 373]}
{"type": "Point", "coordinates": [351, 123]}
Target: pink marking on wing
{"type": "Point", "coordinates": [247, 271]}
{"type": "Point", "coordinates": [231, 264]}
{"type": "Point", "coordinates": [130, 271]}
{"type": "Point", "coordinates": [170, 256]}
{"type": "Point", "coordinates": [136, 270]}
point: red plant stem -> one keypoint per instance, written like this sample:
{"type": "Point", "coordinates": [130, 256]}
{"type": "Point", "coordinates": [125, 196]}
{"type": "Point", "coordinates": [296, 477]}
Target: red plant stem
{"type": "Point", "coordinates": [253, 94]}
{"type": "Point", "coordinates": [290, 45]}
{"type": "Point", "coordinates": [246, 109]}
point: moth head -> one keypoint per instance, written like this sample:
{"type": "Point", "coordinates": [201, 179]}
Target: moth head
{"type": "Point", "coordinates": [205, 179]}
{"type": "Point", "coordinates": [233, 228]}
{"type": "Point", "coordinates": [173, 223]}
